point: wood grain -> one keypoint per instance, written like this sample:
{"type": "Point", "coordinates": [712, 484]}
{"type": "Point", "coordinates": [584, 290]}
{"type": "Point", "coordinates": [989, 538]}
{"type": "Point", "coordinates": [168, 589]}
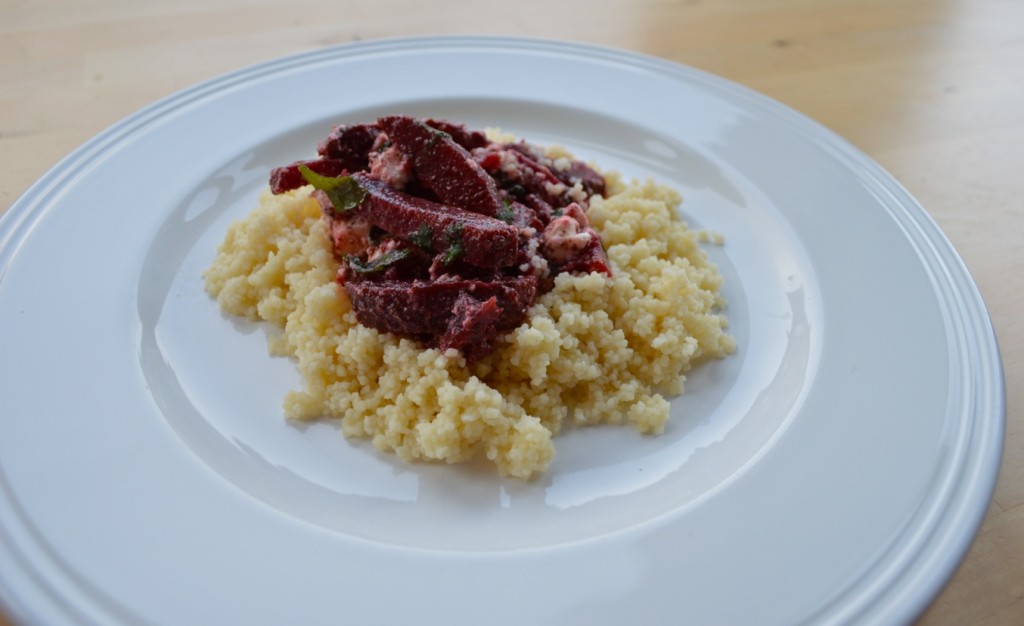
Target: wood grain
{"type": "Point", "coordinates": [932, 89]}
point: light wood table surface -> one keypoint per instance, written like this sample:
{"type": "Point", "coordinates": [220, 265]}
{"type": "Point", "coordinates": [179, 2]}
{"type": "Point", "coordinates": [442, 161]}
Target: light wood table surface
{"type": "Point", "coordinates": [931, 89]}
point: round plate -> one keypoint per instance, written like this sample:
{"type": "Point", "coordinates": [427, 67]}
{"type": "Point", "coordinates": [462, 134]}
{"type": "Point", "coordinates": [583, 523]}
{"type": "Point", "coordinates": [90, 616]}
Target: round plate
{"type": "Point", "coordinates": [834, 469]}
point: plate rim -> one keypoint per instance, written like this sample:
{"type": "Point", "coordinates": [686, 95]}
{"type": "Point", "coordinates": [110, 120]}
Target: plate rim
{"type": "Point", "coordinates": [977, 478]}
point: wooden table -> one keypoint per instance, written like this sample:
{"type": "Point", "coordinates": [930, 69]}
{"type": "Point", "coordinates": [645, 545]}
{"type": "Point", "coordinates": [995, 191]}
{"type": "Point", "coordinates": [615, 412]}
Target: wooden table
{"type": "Point", "coordinates": [932, 89]}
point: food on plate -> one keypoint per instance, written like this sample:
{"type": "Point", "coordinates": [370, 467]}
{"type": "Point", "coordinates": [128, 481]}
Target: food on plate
{"type": "Point", "coordinates": [450, 293]}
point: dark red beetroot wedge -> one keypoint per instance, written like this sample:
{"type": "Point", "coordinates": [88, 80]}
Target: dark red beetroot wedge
{"type": "Point", "coordinates": [593, 258]}
{"type": "Point", "coordinates": [524, 216]}
{"type": "Point", "coordinates": [428, 308]}
{"type": "Point", "coordinates": [350, 144]}
{"type": "Point", "coordinates": [516, 166]}
{"type": "Point", "coordinates": [587, 176]}
{"type": "Point", "coordinates": [577, 172]}
{"type": "Point", "coordinates": [468, 139]}
{"type": "Point", "coordinates": [471, 329]}
{"type": "Point", "coordinates": [443, 166]}
{"type": "Point", "coordinates": [288, 177]}
{"type": "Point", "coordinates": [520, 164]}
{"type": "Point", "coordinates": [480, 240]}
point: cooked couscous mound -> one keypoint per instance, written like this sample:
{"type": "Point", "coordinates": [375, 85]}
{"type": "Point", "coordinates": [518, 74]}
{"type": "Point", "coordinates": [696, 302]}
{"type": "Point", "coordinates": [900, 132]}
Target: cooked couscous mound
{"type": "Point", "coordinates": [594, 350]}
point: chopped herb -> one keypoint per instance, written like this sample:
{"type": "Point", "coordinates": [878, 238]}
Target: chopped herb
{"type": "Point", "coordinates": [453, 235]}
{"type": "Point", "coordinates": [384, 145]}
{"type": "Point", "coordinates": [557, 212]}
{"type": "Point", "coordinates": [453, 252]}
{"type": "Point", "coordinates": [382, 262]}
{"type": "Point", "coordinates": [438, 134]}
{"type": "Point", "coordinates": [423, 237]}
{"type": "Point", "coordinates": [344, 193]}
{"type": "Point", "coordinates": [505, 213]}
{"type": "Point", "coordinates": [435, 136]}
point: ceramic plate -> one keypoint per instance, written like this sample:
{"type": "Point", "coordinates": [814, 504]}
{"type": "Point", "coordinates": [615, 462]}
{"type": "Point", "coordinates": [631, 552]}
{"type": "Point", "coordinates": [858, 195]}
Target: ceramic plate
{"type": "Point", "coordinates": [834, 469]}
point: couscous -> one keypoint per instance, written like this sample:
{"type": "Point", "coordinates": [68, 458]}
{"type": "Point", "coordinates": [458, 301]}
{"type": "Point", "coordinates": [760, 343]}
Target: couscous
{"type": "Point", "coordinates": [594, 347]}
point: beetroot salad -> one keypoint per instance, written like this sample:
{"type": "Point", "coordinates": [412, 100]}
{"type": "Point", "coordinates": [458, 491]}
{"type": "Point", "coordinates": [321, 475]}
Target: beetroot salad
{"type": "Point", "coordinates": [444, 235]}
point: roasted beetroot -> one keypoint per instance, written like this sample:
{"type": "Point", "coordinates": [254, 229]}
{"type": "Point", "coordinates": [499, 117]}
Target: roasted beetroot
{"type": "Point", "coordinates": [591, 258]}
{"type": "Point", "coordinates": [443, 166]}
{"type": "Point", "coordinates": [579, 172]}
{"type": "Point", "coordinates": [527, 173]}
{"type": "Point", "coordinates": [472, 329]}
{"type": "Point", "coordinates": [468, 139]}
{"type": "Point", "coordinates": [480, 240]}
{"type": "Point", "coordinates": [350, 144]}
{"type": "Point", "coordinates": [426, 307]}
{"type": "Point", "coordinates": [442, 235]}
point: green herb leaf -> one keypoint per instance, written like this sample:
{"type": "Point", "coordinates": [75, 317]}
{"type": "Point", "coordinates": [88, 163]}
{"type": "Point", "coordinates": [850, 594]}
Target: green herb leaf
{"type": "Point", "coordinates": [453, 234]}
{"type": "Point", "coordinates": [344, 192]}
{"type": "Point", "coordinates": [319, 181]}
{"type": "Point", "coordinates": [423, 237]}
{"type": "Point", "coordinates": [505, 213]}
{"type": "Point", "coordinates": [453, 252]}
{"type": "Point", "coordinates": [438, 134]}
{"type": "Point", "coordinates": [382, 262]}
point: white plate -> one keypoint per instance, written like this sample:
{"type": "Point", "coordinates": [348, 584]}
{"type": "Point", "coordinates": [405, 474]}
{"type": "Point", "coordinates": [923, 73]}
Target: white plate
{"type": "Point", "coordinates": [834, 469]}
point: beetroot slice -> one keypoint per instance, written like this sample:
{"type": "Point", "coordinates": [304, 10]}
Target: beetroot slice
{"type": "Point", "coordinates": [428, 308]}
{"type": "Point", "coordinates": [516, 167]}
{"type": "Point", "coordinates": [350, 144]}
{"type": "Point", "coordinates": [288, 177]}
{"type": "Point", "coordinates": [468, 139]}
{"type": "Point", "coordinates": [593, 258]}
{"type": "Point", "coordinates": [484, 241]}
{"type": "Point", "coordinates": [587, 176]}
{"type": "Point", "coordinates": [577, 172]}
{"type": "Point", "coordinates": [443, 166]}
{"type": "Point", "coordinates": [471, 329]}
{"type": "Point", "coordinates": [520, 165]}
